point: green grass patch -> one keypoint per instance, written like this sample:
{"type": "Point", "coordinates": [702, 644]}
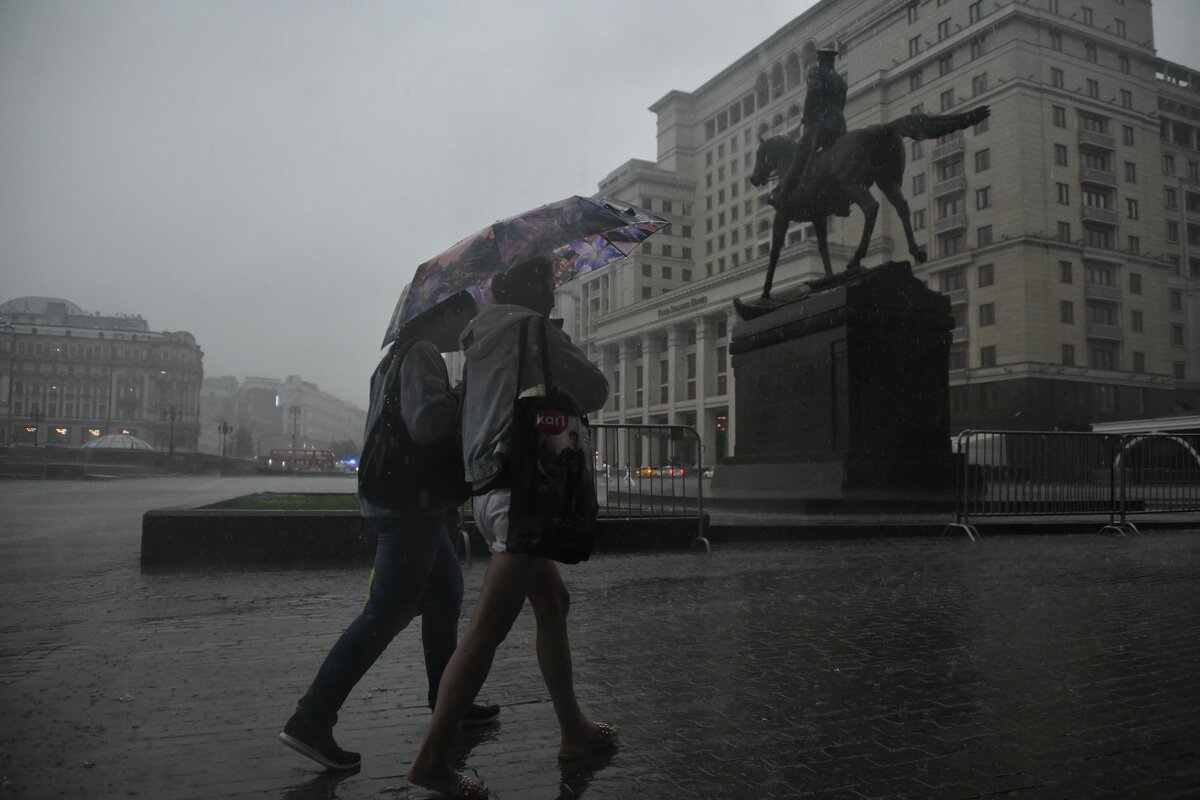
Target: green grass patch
{"type": "Point", "coordinates": [272, 501]}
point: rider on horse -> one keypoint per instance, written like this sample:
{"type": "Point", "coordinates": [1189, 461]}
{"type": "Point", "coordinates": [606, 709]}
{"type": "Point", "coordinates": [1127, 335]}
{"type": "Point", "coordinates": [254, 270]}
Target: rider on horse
{"type": "Point", "coordinates": [823, 121]}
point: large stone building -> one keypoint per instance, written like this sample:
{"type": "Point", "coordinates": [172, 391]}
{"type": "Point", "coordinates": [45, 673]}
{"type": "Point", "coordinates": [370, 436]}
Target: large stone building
{"type": "Point", "coordinates": [69, 376]}
{"type": "Point", "coordinates": [1065, 229]}
{"type": "Point", "coordinates": [275, 413]}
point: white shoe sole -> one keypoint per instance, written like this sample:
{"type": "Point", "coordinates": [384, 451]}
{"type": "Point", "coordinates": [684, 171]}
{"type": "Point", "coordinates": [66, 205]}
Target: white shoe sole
{"type": "Point", "coordinates": [304, 750]}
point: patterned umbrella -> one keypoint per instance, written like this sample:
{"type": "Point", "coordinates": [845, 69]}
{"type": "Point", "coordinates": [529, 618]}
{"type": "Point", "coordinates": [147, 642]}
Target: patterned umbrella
{"type": "Point", "coordinates": [580, 233]}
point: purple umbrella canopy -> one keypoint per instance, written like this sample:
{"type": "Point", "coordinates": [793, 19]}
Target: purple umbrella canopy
{"type": "Point", "coordinates": [580, 233]}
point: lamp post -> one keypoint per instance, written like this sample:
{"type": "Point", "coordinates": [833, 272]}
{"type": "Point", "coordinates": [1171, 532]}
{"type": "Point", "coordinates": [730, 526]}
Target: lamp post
{"type": "Point", "coordinates": [223, 428]}
{"type": "Point", "coordinates": [11, 337]}
{"type": "Point", "coordinates": [171, 414]}
{"type": "Point", "coordinates": [295, 412]}
{"type": "Point", "coordinates": [36, 416]}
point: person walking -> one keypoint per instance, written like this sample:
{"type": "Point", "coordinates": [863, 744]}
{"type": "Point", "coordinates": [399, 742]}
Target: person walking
{"type": "Point", "coordinates": [413, 419]}
{"type": "Point", "coordinates": [491, 343]}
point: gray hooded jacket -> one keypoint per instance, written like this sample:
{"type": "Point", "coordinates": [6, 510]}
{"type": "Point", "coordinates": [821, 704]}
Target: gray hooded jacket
{"type": "Point", "coordinates": [490, 345]}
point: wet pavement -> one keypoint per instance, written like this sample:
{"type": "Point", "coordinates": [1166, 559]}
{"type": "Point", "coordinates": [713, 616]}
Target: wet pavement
{"type": "Point", "coordinates": [1049, 666]}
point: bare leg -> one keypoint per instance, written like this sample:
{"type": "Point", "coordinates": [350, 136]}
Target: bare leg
{"type": "Point", "coordinates": [500, 600]}
{"type": "Point", "coordinates": [551, 602]}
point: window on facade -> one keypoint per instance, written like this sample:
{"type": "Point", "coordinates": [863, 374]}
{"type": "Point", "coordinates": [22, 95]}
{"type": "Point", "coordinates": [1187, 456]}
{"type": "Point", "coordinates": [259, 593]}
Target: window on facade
{"type": "Point", "coordinates": [987, 356]}
{"type": "Point", "coordinates": [1093, 88]}
{"type": "Point", "coordinates": [1135, 244]}
{"type": "Point", "coordinates": [1177, 338]}
{"type": "Point", "coordinates": [983, 236]}
{"type": "Point", "coordinates": [943, 30]}
{"type": "Point", "coordinates": [947, 100]}
{"type": "Point", "coordinates": [1101, 313]}
{"type": "Point", "coordinates": [1058, 115]}
{"type": "Point", "coordinates": [1102, 357]}
{"type": "Point", "coordinates": [913, 12]}
{"type": "Point", "coordinates": [1064, 231]}
{"type": "Point", "coordinates": [977, 48]}
{"type": "Point", "coordinates": [1066, 311]}
{"type": "Point", "coordinates": [953, 281]}
{"type": "Point", "coordinates": [1130, 172]}
{"type": "Point", "coordinates": [1176, 299]}
{"type": "Point", "coordinates": [1064, 193]}
{"type": "Point", "coordinates": [1123, 63]}
{"type": "Point", "coordinates": [1065, 272]}
{"type": "Point", "coordinates": [1094, 236]}
{"type": "Point", "coordinates": [1178, 370]}
{"type": "Point", "coordinates": [918, 219]}
{"type": "Point", "coordinates": [987, 314]}
{"type": "Point", "coordinates": [1089, 52]}
{"type": "Point", "coordinates": [1095, 199]}
{"type": "Point", "coordinates": [1126, 98]}
{"type": "Point", "coordinates": [918, 150]}
{"type": "Point", "coordinates": [1137, 322]}
{"type": "Point", "coordinates": [1056, 77]}
{"type": "Point", "coordinates": [950, 244]}
{"type": "Point", "coordinates": [1060, 155]}
{"type": "Point", "coordinates": [918, 184]}
{"type": "Point", "coordinates": [1127, 135]}
{"type": "Point", "coordinates": [975, 11]}
{"type": "Point", "coordinates": [1093, 160]}
{"type": "Point", "coordinates": [1139, 362]}
{"type": "Point", "coordinates": [946, 64]}
{"type": "Point", "coordinates": [1087, 15]}
{"type": "Point", "coordinates": [950, 168]}
{"type": "Point", "coordinates": [983, 197]}
{"type": "Point", "coordinates": [983, 160]}
{"type": "Point", "coordinates": [986, 277]}
{"type": "Point", "coordinates": [1068, 355]}
{"type": "Point", "coordinates": [950, 206]}
{"type": "Point", "coordinates": [914, 47]}
{"type": "Point", "coordinates": [1120, 26]}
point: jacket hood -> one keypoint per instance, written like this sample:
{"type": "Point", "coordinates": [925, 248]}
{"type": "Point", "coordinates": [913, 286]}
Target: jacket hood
{"type": "Point", "coordinates": [484, 331]}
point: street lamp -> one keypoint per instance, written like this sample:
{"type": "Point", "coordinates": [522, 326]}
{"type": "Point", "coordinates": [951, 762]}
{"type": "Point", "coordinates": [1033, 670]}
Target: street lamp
{"type": "Point", "coordinates": [223, 428]}
{"type": "Point", "coordinates": [295, 412]}
{"type": "Point", "coordinates": [36, 416]}
{"type": "Point", "coordinates": [172, 414]}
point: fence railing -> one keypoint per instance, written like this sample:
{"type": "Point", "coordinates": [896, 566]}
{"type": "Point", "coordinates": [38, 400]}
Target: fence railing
{"type": "Point", "coordinates": [1035, 473]}
{"type": "Point", "coordinates": [650, 471]}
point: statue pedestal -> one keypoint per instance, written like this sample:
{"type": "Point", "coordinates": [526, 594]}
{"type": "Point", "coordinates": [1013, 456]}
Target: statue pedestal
{"type": "Point", "coordinates": [841, 398]}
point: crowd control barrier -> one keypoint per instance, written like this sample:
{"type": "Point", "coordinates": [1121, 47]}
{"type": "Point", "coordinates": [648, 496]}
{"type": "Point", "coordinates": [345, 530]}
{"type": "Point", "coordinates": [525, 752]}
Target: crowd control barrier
{"type": "Point", "coordinates": [1041, 473]}
{"type": "Point", "coordinates": [650, 471]}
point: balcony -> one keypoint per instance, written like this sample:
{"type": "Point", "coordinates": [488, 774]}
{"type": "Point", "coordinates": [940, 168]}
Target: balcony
{"type": "Point", "coordinates": [1097, 291]}
{"type": "Point", "coordinates": [951, 148]}
{"type": "Point", "coordinates": [1097, 176]}
{"type": "Point", "coordinates": [1097, 139]}
{"type": "Point", "coordinates": [950, 223]}
{"type": "Point", "coordinates": [1104, 215]}
{"type": "Point", "coordinates": [958, 184]}
{"type": "Point", "coordinates": [961, 335]}
{"type": "Point", "coordinates": [1096, 330]}
{"type": "Point", "coordinates": [957, 296]}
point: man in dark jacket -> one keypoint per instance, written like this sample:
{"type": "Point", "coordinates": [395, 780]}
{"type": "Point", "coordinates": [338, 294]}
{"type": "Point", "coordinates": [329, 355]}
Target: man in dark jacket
{"type": "Point", "coordinates": [416, 569]}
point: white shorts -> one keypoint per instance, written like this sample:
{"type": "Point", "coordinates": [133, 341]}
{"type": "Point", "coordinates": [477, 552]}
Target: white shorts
{"type": "Point", "coordinates": [491, 517]}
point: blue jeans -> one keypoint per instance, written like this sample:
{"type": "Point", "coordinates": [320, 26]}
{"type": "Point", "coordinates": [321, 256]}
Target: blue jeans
{"type": "Point", "coordinates": [416, 572]}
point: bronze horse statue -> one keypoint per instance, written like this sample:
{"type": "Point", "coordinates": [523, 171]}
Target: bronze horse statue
{"type": "Point", "coordinates": [842, 174]}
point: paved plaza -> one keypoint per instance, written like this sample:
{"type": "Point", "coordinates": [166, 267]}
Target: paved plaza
{"type": "Point", "coordinates": [1031, 666]}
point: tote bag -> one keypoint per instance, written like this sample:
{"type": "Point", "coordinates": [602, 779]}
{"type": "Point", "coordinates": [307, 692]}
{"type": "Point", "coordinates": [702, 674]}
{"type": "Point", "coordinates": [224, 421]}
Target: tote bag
{"type": "Point", "coordinates": [553, 509]}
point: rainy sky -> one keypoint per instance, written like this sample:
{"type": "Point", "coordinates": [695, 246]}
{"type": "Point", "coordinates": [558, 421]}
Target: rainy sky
{"type": "Point", "coordinates": [268, 174]}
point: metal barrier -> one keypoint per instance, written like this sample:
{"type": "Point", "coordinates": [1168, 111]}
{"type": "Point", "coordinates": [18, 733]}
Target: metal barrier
{"type": "Point", "coordinates": [649, 471]}
{"type": "Point", "coordinates": [1034, 473]}
{"type": "Point", "coordinates": [1158, 473]}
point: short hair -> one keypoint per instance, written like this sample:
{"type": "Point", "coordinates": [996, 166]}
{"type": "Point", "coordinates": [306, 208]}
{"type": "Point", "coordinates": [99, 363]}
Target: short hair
{"type": "Point", "coordinates": [517, 284]}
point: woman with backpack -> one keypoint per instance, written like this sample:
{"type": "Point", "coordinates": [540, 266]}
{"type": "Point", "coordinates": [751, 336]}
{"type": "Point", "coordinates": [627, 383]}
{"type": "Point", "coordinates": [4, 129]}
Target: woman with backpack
{"type": "Point", "coordinates": [410, 473]}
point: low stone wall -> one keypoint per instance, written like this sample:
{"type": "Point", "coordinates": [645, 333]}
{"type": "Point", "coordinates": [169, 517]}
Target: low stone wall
{"type": "Point", "coordinates": [205, 536]}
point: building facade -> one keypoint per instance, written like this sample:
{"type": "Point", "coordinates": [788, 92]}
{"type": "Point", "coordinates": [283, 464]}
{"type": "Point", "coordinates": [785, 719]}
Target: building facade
{"type": "Point", "coordinates": [275, 412]}
{"type": "Point", "coordinates": [1065, 229]}
{"type": "Point", "coordinates": [69, 376]}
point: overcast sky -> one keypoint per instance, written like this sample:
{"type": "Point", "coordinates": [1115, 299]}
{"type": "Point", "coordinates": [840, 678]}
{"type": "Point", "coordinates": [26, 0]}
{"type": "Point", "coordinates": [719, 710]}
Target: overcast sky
{"type": "Point", "coordinates": [267, 175]}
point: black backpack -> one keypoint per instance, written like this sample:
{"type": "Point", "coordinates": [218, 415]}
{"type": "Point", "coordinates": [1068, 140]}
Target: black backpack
{"type": "Point", "coordinates": [394, 472]}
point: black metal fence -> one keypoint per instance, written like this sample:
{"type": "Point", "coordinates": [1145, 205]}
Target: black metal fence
{"type": "Point", "coordinates": [647, 471]}
{"type": "Point", "coordinates": [1034, 473]}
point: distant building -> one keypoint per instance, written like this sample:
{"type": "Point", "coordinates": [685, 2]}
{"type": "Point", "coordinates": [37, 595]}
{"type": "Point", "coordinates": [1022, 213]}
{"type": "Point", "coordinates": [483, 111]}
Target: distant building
{"type": "Point", "coordinates": [264, 407]}
{"type": "Point", "coordinates": [1065, 230]}
{"type": "Point", "coordinates": [70, 376]}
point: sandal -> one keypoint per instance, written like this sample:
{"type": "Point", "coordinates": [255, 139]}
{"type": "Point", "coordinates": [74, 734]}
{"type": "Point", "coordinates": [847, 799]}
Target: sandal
{"type": "Point", "coordinates": [605, 739]}
{"type": "Point", "coordinates": [466, 789]}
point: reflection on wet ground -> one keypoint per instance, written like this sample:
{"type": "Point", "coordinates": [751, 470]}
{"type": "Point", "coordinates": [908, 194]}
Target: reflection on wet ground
{"type": "Point", "coordinates": [1048, 666]}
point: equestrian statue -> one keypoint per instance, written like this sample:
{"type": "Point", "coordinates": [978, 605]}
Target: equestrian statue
{"type": "Point", "coordinates": [829, 169]}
